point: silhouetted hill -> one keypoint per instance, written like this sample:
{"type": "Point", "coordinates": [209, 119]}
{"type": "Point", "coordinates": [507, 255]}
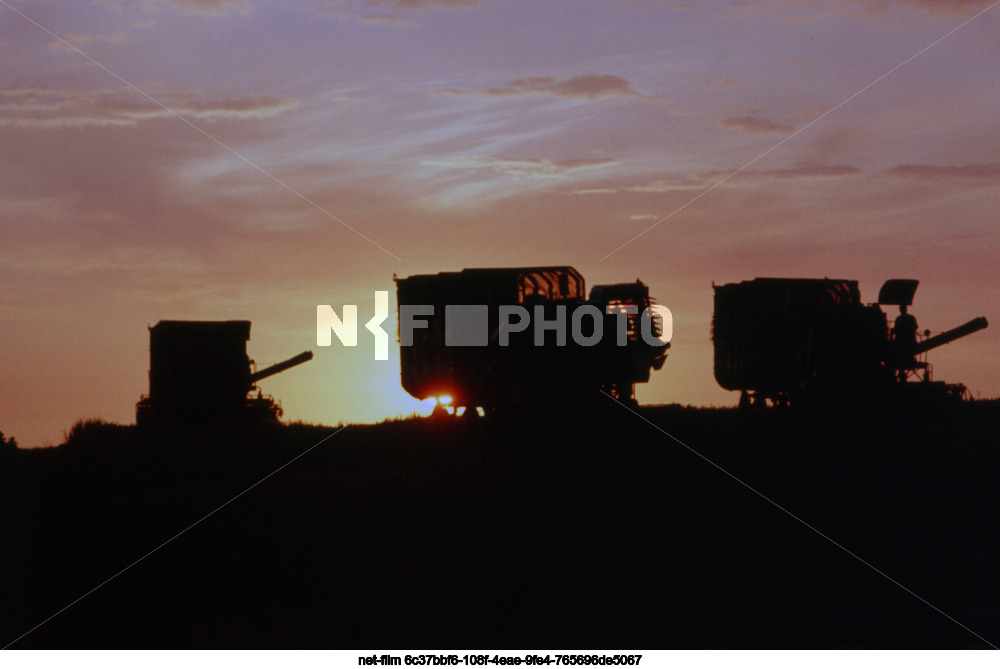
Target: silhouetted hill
{"type": "Point", "coordinates": [592, 530]}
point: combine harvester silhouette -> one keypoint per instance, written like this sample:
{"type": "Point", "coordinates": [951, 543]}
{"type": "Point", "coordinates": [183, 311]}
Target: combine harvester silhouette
{"type": "Point", "coordinates": [199, 372]}
{"type": "Point", "coordinates": [784, 342]}
{"type": "Point", "coordinates": [460, 343]}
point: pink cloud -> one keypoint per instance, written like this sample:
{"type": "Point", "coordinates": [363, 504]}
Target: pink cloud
{"type": "Point", "coordinates": [210, 7]}
{"type": "Point", "coordinates": [755, 125]}
{"type": "Point", "coordinates": [588, 86]}
{"type": "Point", "coordinates": [929, 6]}
{"type": "Point", "coordinates": [871, 9]}
{"type": "Point", "coordinates": [426, 4]}
{"type": "Point", "coordinates": [813, 170]}
{"type": "Point", "coordinates": [528, 168]}
{"type": "Point", "coordinates": [987, 172]}
{"type": "Point", "coordinates": [47, 108]}
{"type": "Point", "coordinates": [722, 83]}
{"type": "Point", "coordinates": [202, 7]}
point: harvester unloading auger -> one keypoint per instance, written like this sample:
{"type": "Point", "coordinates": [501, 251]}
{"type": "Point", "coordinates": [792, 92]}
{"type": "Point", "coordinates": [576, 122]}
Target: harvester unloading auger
{"type": "Point", "coordinates": [802, 341]}
{"type": "Point", "coordinates": [199, 372]}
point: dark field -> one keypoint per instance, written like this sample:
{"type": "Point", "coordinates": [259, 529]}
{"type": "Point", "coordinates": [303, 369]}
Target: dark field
{"type": "Point", "coordinates": [593, 530]}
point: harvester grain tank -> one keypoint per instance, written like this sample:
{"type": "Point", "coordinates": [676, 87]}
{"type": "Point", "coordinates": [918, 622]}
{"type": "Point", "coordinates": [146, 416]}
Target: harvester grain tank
{"type": "Point", "coordinates": [798, 341]}
{"type": "Point", "coordinates": [504, 370]}
{"type": "Point", "coordinates": [199, 372]}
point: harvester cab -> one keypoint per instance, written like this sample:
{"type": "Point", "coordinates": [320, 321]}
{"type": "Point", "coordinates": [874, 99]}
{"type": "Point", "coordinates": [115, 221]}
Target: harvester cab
{"type": "Point", "coordinates": [908, 347]}
{"type": "Point", "coordinates": [901, 354]}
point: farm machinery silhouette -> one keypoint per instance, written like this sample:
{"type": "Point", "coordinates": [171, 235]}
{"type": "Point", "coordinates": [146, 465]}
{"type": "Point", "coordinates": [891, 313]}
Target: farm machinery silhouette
{"type": "Point", "coordinates": [803, 341]}
{"type": "Point", "coordinates": [199, 372]}
{"type": "Point", "coordinates": [460, 345]}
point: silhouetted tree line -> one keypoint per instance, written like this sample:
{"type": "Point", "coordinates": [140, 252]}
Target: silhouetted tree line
{"type": "Point", "coordinates": [7, 444]}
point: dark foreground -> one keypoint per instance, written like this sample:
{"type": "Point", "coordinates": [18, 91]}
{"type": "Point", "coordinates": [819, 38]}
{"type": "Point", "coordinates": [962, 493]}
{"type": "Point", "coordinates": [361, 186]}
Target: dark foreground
{"type": "Point", "coordinates": [587, 531]}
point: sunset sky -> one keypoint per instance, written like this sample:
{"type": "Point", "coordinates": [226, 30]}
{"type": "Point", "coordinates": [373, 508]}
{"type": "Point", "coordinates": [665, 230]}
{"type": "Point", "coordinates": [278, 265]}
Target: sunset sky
{"type": "Point", "coordinates": [241, 159]}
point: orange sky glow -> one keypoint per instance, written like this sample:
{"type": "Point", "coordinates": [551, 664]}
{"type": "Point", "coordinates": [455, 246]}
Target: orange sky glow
{"type": "Point", "coordinates": [234, 159]}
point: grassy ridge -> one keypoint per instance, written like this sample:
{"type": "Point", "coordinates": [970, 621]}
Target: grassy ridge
{"type": "Point", "coordinates": [591, 530]}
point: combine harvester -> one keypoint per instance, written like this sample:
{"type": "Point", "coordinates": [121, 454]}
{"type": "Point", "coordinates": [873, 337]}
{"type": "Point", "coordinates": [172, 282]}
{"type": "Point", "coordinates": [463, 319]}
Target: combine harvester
{"type": "Point", "coordinates": [199, 372]}
{"type": "Point", "coordinates": [472, 360]}
{"type": "Point", "coordinates": [812, 341]}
